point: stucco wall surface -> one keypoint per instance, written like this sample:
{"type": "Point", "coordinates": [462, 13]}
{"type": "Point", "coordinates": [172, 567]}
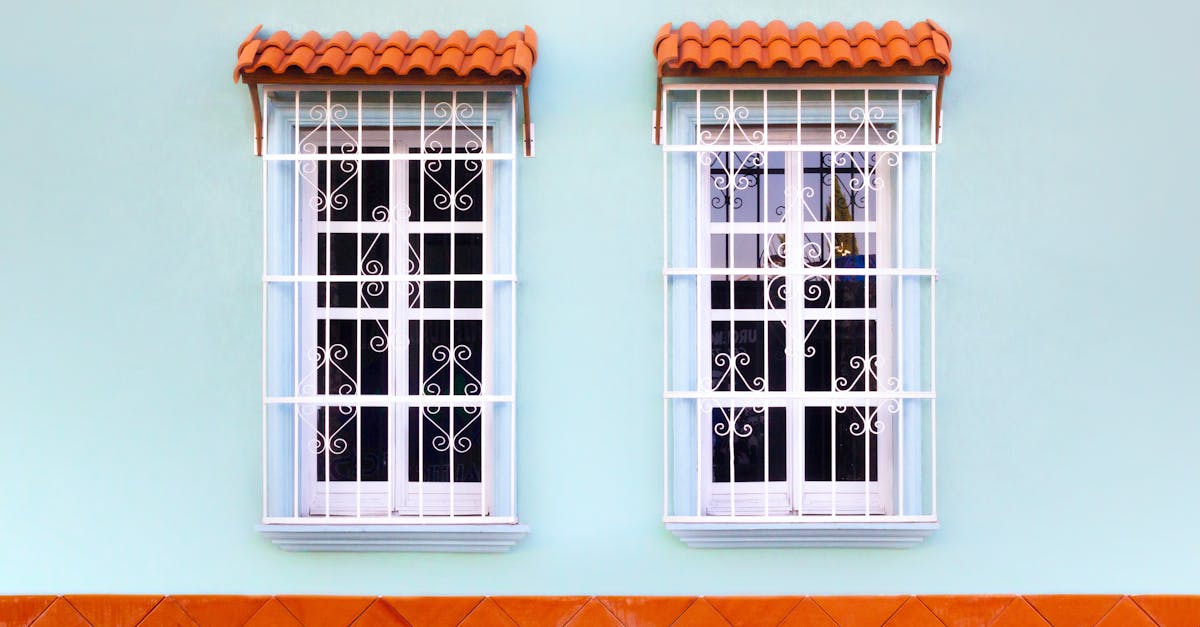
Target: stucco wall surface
{"type": "Point", "coordinates": [130, 244]}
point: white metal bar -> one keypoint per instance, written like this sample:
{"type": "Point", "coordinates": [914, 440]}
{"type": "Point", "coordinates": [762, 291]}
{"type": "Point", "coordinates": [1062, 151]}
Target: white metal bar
{"type": "Point", "coordinates": [350, 278]}
{"type": "Point", "coordinates": [358, 325]}
{"type": "Point", "coordinates": [512, 439]}
{"type": "Point", "coordinates": [264, 347]}
{"type": "Point", "coordinates": [764, 205]}
{"type": "Point", "coordinates": [799, 147]}
{"type": "Point", "coordinates": [417, 227]}
{"type": "Point", "coordinates": [419, 213]}
{"type": "Point", "coordinates": [399, 156]}
{"type": "Point", "coordinates": [816, 271]}
{"type": "Point", "coordinates": [722, 86]}
{"type": "Point", "coordinates": [397, 520]}
{"type": "Point", "coordinates": [666, 331]}
{"type": "Point", "coordinates": [485, 358]}
{"type": "Point", "coordinates": [453, 208]}
{"type": "Point", "coordinates": [776, 228]}
{"type": "Point", "coordinates": [328, 270]}
{"type": "Point", "coordinates": [397, 258]}
{"type": "Point", "coordinates": [296, 318]}
{"type": "Point", "coordinates": [807, 519]}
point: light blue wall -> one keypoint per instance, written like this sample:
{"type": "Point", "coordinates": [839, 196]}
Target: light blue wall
{"type": "Point", "coordinates": [129, 320]}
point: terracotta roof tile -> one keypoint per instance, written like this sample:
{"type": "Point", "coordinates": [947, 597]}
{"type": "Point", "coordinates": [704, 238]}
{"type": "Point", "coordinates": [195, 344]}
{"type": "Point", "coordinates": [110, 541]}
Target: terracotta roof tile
{"type": "Point", "coordinates": [400, 54]}
{"type": "Point", "coordinates": [923, 48]}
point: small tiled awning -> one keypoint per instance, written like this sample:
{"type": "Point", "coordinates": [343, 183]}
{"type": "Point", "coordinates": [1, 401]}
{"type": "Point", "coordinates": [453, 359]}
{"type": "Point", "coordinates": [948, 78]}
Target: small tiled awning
{"type": "Point", "coordinates": [399, 58]}
{"type": "Point", "coordinates": [806, 51]}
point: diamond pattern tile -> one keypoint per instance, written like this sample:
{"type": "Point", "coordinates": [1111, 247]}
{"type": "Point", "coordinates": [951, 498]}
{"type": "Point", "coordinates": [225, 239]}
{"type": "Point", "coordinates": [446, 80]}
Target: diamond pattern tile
{"type": "Point", "coordinates": [219, 610]}
{"type": "Point", "coordinates": [167, 614]}
{"type": "Point", "coordinates": [1073, 610]}
{"type": "Point", "coordinates": [1171, 610]}
{"type": "Point", "coordinates": [860, 611]}
{"type": "Point", "coordinates": [967, 610]}
{"type": "Point", "coordinates": [754, 611]}
{"type": "Point", "coordinates": [112, 610]}
{"type": "Point", "coordinates": [913, 613]}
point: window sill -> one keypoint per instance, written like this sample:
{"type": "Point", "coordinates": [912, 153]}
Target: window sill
{"type": "Point", "coordinates": [485, 538]}
{"type": "Point", "coordinates": [797, 535]}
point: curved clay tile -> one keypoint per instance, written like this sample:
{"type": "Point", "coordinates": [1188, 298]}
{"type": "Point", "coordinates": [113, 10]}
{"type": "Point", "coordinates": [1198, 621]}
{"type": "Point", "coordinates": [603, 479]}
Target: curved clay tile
{"type": "Point", "coordinates": [809, 31]}
{"type": "Point", "coordinates": [279, 40]}
{"type": "Point", "coordinates": [863, 32]}
{"type": "Point", "coordinates": [868, 50]}
{"type": "Point", "coordinates": [839, 50]}
{"type": "Point", "coordinates": [891, 31]}
{"type": "Point", "coordinates": [834, 31]}
{"type": "Point", "coordinates": [690, 51]}
{"type": "Point", "coordinates": [397, 40]}
{"type": "Point", "coordinates": [302, 58]}
{"type": "Point", "coordinates": [270, 57]}
{"type": "Point", "coordinates": [748, 53]}
{"type": "Point", "coordinates": [747, 31]}
{"type": "Point", "coordinates": [361, 57]}
{"type": "Point", "coordinates": [451, 59]}
{"type": "Point", "coordinates": [370, 41]}
{"type": "Point", "coordinates": [457, 40]}
{"type": "Point", "coordinates": [251, 39]}
{"type": "Point", "coordinates": [340, 41]}
{"type": "Point", "coordinates": [392, 58]}
{"type": "Point", "coordinates": [779, 51]}
{"type": "Point", "coordinates": [719, 52]}
{"type": "Point", "coordinates": [481, 60]}
{"type": "Point", "coordinates": [457, 55]}
{"type": "Point", "coordinates": [776, 31]}
{"type": "Point", "coordinates": [922, 48]}
{"type": "Point", "coordinates": [692, 30]}
{"type": "Point", "coordinates": [428, 39]}
{"type": "Point", "coordinates": [332, 59]}
{"type": "Point", "coordinates": [486, 40]}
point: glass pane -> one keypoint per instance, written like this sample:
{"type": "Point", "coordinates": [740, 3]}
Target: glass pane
{"type": "Point", "coordinates": [357, 438]}
{"type": "Point", "coordinates": [742, 429]}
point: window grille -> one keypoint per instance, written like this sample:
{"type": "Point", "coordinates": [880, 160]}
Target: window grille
{"type": "Point", "coordinates": [389, 292]}
{"type": "Point", "coordinates": [798, 296]}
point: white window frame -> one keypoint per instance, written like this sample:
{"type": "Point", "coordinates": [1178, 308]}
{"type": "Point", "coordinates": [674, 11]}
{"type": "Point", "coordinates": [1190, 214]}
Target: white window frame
{"type": "Point", "coordinates": [409, 497]}
{"type": "Point", "coordinates": [829, 513]}
{"type": "Point", "coordinates": [418, 124]}
{"type": "Point", "coordinates": [814, 497]}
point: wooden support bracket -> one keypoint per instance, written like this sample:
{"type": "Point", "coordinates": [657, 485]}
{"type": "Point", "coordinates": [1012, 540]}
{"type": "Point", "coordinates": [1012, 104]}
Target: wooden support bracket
{"type": "Point", "coordinates": [256, 103]}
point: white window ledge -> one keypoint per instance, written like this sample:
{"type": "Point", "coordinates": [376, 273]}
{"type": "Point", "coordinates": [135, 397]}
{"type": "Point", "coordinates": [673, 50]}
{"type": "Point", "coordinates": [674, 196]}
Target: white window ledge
{"type": "Point", "coordinates": [784, 535]}
{"type": "Point", "coordinates": [493, 538]}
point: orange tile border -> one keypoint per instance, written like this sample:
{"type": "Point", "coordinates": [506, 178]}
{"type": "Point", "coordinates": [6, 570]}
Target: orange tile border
{"type": "Point", "coordinates": [754, 611]}
{"type": "Point", "coordinates": [22, 610]}
{"type": "Point", "coordinates": [1171, 610]}
{"type": "Point", "coordinates": [209, 610]}
{"type": "Point", "coordinates": [1057, 610]}
{"type": "Point", "coordinates": [167, 614]}
{"type": "Point", "coordinates": [113, 610]}
{"type": "Point", "coordinates": [967, 610]}
{"type": "Point", "coordinates": [1073, 610]}
{"type": "Point", "coordinates": [533, 610]}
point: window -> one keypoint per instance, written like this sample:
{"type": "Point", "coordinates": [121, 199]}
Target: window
{"type": "Point", "coordinates": [799, 292]}
{"type": "Point", "coordinates": [390, 307]}
{"type": "Point", "coordinates": [389, 172]}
